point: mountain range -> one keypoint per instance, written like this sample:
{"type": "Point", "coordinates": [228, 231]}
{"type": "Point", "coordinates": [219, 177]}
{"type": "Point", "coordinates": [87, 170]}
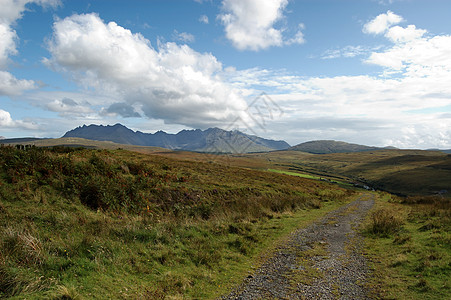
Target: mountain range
{"type": "Point", "coordinates": [214, 140]}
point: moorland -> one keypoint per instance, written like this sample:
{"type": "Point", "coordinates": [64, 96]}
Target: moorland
{"type": "Point", "coordinates": [84, 219]}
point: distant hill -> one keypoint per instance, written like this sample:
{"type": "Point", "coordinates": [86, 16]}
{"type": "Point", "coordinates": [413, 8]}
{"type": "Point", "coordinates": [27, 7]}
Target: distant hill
{"type": "Point", "coordinates": [330, 146]}
{"type": "Point", "coordinates": [18, 140]}
{"type": "Point", "coordinates": [210, 140]}
{"type": "Point", "coordinates": [441, 150]}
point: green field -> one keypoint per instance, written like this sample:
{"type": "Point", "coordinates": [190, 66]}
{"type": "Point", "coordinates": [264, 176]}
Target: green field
{"type": "Point", "coordinates": [295, 174]}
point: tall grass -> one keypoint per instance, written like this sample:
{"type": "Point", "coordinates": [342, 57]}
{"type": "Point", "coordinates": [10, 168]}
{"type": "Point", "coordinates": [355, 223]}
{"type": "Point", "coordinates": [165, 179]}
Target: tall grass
{"type": "Point", "coordinates": [384, 222]}
{"type": "Point", "coordinates": [410, 247]}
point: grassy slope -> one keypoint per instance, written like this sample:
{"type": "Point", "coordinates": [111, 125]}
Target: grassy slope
{"type": "Point", "coordinates": [80, 142]}
{"type": "Point", "coordinates": [95, 223]}
{"type": "Point", "coordinates": [406, 172]}
{"type": "Point", "coordinates": [409, 245]}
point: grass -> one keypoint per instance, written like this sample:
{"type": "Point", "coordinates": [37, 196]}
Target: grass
{"type": "Point", "coordinates": [294, 174]}
{"type": "Point", "coordinates": [89, 224]}
{"type": "Point", "coordinates": [303, 175]}
{"type": "Point", "coordinates": [411, 257]}
{"type": "Point", "coordinates": [384, 222]}
{"type": "Point", "coordinates": [406, 172]}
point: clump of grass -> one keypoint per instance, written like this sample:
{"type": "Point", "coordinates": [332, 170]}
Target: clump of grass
{"type": "Point", "coordinates": [384, 222]}
{"type": "Point", "coordinates": [63, 292]}
{"type": "Point", "coordinates": [22, 247]}
{"type": "Point", "coordinates": [16, 281]}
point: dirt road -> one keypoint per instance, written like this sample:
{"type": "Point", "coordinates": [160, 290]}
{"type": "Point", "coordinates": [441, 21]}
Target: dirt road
{"type": "Point", "coordinates": [322, 261]}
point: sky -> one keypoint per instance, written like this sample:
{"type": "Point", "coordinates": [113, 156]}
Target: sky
{"type": "Point", "coordinates": [373, 72]}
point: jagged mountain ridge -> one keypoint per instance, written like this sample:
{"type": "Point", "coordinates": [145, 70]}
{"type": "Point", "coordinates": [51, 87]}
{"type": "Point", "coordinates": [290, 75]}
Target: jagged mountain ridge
{"type": "Point", "coordinates": [209, 140]}
{"type": "Point", "coordinates": [331, 146]}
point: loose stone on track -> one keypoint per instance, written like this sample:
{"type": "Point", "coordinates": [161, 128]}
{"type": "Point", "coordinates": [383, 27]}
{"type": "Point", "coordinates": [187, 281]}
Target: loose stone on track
{"type": "Point", "coordinates": [322, 261]}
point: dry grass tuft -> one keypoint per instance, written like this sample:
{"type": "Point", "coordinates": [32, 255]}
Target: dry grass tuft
{"type": "Point", "coordinates": [384, 222]}
{"type": "Point", "coordinates": [22, 246]}
{"type": "Point", "coordinates": [65, 293]}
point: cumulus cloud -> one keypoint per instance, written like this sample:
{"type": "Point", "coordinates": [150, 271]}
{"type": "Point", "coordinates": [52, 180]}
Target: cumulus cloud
{"type": "Point", "coordinates": [7, 44]}
{"type": "Point", "coordinates": [173, 82]}
{"type": "Point", "coordinates": [416, 54]}
{"type": "Point", "coordinates": [11, 86]}
{"type": "Point", "coordinates": [382, 22]}
{"type": "Point", "coordinates": [7, 122]}
{"type": "Point", "coordinates": [11, 11]}
{"type": "Point", "coordinates": [399, 34]}
{"type": "Point", "coordinates": [68, 107]}
{"type": "Point", "coordinates": [249, 24]}
{"type": "Point", "coordinates": [5, 119]}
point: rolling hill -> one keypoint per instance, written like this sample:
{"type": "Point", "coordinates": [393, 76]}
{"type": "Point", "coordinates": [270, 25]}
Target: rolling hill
{"type": "Point", "coordinates": [213, 140]}
{"type": "Point", "coordinates": [331, 146]}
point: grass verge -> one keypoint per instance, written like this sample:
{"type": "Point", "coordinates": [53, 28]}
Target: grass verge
{"type": "Point", "coordinates": [409, 244]}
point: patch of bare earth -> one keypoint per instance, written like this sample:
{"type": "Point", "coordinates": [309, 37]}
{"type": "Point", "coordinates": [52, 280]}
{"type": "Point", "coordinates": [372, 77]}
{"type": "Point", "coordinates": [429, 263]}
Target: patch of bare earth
{"type": "Point", "coordinates": [322, 261]}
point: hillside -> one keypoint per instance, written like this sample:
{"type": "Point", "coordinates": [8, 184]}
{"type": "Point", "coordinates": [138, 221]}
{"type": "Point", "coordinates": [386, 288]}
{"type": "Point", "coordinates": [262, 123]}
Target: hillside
{"type": "Point", "coordinates": [210, 140]}
{"type": "Point", "coordinates": [91, 224]}
{"type": "Point", "coordinates": [406, 172]}
{"type": "Point", "coordinates": [18, 140]}
{"type": "Point", "coordinates": [330, 146]}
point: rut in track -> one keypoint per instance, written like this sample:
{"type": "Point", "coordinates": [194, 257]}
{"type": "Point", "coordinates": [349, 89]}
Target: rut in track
{"type": "Point", "coordinates": [322, 261]}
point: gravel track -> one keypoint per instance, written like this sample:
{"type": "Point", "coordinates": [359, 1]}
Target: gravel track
{"type": "Point", "coordinates": [321, 261]}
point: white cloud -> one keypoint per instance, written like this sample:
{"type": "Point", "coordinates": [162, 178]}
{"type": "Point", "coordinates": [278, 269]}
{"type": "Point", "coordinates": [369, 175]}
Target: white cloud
{"type": "Point", "coordinates": [7, 44]}
{"type": "Point", "coordinates": [10, 12]}
{"type": "Point", "coordinates": [11, 86]}
{"type": "Point", "coordinates": [410, 108]}
{"type": "Point", "coordinates": [399, 34]}
{"type": "Point", "coordinates": [362, 109]}
{"type": "Point", "coordinates": [298, 38]}
{"type": "Point", "coordinates": [416, 55]}
{"type": "Point", "coordinates": [7, 122]}
{"type": "Point", "coordinates": [249, 24]}
{"type": "Point", "coordinates": [68, 107]}
{"type": "Point", "coordinates": [173, 83]}
{"type": "Point", "coordinates": [382, 22]}
{"type": "Point", "coordinates": [5, 119]}
{"type": "Point", "coordinates": [183, 37]}
{"type": "Point", "coordinates": [203, 19]}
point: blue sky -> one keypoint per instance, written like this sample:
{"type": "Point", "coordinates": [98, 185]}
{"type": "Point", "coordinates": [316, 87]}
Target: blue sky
{"type": "Point", "coordinates": [375, 72]}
